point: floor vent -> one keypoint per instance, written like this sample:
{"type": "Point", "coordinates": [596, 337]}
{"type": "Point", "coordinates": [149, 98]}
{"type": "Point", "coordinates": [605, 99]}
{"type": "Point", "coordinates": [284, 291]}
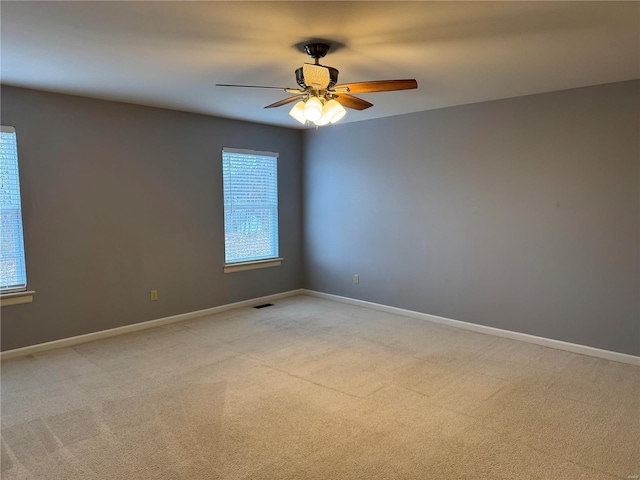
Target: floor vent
{"type": "Point", "coordinates": [264, 305]}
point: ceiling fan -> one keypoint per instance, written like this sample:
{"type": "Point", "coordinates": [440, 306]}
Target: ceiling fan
{"type": "Point", "coordinates": [320, 100]}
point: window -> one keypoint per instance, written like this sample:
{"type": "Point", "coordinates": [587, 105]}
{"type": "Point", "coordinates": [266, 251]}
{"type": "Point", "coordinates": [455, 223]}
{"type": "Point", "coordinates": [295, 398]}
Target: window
{"type": "Point", "coordinates": [250, 189]}
{"type": "Point", "coordinates": [13, 275]}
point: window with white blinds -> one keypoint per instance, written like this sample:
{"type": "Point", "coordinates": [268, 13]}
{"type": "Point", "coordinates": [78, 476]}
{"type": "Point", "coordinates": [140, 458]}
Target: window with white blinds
{"type": "Point", "coordinates": [13, 275]}
{"type": "Point", "coordinates": [250, 188]}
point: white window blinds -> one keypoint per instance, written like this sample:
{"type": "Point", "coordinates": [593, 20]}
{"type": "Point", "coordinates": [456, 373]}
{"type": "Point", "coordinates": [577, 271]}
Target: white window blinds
{"type": "Point", "coordinates": [250, 185]}
{"type": "Point", "coordinates": [13, 275]}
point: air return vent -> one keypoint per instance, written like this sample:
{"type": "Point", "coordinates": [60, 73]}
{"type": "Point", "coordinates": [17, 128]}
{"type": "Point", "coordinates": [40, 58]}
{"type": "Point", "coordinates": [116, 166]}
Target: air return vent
{"type": "Point", "coordinates": [264, 305]}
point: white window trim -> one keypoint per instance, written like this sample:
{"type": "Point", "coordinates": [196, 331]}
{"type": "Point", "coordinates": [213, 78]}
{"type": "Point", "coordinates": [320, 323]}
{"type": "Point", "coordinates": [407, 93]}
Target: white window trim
{"type": "Point", "coordinates": [252, 264]}
{"type": "Point", "coordinates": [21, 294]}
{"type": "Point", "coordinates": [242, 266]}
{"type": "Point", "coordinates": [16, 298]}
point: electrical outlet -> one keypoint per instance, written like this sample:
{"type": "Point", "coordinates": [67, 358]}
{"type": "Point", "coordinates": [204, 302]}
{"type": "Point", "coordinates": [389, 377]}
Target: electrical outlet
{"type": "Point", "coordinates": [356, 278]}
{"type": "Point", "coordinates": [154, 295]}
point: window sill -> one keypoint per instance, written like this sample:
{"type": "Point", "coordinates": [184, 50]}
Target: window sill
{"type": "Point", "coordinates": [16, 298]}
{"type": "Point", "coordinates": [239, 267]}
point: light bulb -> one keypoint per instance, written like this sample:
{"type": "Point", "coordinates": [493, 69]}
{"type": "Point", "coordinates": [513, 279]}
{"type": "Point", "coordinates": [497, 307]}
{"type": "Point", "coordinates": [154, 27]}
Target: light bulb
{"type": "Point", "coordinates": [297, 112]}
{"type": "Point", "coordinates": [313, 109]}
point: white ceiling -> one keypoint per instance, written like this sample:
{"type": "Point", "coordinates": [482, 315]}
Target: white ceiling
{"type": "Point", "coordinates": [171, 54]}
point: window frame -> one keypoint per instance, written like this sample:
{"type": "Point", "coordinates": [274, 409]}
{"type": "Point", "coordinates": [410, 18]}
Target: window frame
{"type": "Point", "coordinates": [231, 266]}
{"type": "Point", "coordinates": [18, 294]}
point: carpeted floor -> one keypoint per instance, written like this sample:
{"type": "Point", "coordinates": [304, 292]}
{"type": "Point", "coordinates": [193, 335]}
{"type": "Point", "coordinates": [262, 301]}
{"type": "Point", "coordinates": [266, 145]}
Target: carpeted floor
{"type": "Point", "coordinates": [313, 389]}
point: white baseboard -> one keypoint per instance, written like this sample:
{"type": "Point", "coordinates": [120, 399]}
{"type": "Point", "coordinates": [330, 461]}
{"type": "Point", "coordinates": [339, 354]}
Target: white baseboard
{"type": "Point", "coordinates": [524, 337]}
{"type": "Point", "coordinates": [112, 332]}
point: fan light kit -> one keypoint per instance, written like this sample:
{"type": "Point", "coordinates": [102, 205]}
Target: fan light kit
{"type": "Point", "coordinates": [312, 110]}
{"type": "Point", "coordinates": [320, 100]}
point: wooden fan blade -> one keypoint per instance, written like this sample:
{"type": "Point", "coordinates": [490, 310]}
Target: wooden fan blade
{"type": "Point", "coordinates": [350, 101]}
{"type": "Point", "coordinates": [379, 86]}
{"type": "Point", "coordinates": [283, 102]}
{"type": "Point", "coordinates": [249, 86]}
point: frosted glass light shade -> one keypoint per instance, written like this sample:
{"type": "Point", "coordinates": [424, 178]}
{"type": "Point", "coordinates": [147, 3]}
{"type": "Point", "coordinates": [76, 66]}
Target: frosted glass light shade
{"type": "Point", "coordinates": [325, 118]}
{"type": "Point", "coordinates": [297, 112]}
{"type": "Point", "coordinates": [331, 112]}
{"type": "Point", "coordinates": [337, 110]}
{"type": "Point", "coordinates": [313, 109]}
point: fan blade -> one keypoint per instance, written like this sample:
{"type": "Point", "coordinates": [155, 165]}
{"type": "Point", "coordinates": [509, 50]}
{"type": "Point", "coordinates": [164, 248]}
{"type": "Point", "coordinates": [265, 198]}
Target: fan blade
{"type": "Point", "coordinates": [249, 86]}
{"type": "Point", "coordinates": [283, 102]}
{"type": "Point", "coordinates": [350, 101]}
{"type": "Point", "coordinates": [379, 86]}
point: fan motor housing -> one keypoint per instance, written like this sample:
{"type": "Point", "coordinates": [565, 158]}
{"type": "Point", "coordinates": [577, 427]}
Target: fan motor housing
{"type": "Point", "coordinates": [333, 77]}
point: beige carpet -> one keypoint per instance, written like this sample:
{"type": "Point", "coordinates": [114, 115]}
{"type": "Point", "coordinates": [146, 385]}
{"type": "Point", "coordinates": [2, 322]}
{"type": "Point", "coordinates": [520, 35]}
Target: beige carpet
{"type": "Point", "coordinates": [313, 389]}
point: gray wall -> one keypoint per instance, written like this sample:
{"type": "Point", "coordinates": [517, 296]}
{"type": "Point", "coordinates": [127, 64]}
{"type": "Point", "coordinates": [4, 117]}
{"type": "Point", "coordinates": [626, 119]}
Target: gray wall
{"type": "Point", "coordinates": [521, 214]}
{"type": "Point", "coordinates": [120, 199]}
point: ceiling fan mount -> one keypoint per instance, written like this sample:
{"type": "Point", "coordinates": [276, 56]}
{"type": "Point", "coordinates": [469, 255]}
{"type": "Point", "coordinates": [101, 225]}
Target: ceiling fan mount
{"type": "Point", "coordinates": [316, 50]}
{"type": "Point", "coordinates": [320, 97]}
